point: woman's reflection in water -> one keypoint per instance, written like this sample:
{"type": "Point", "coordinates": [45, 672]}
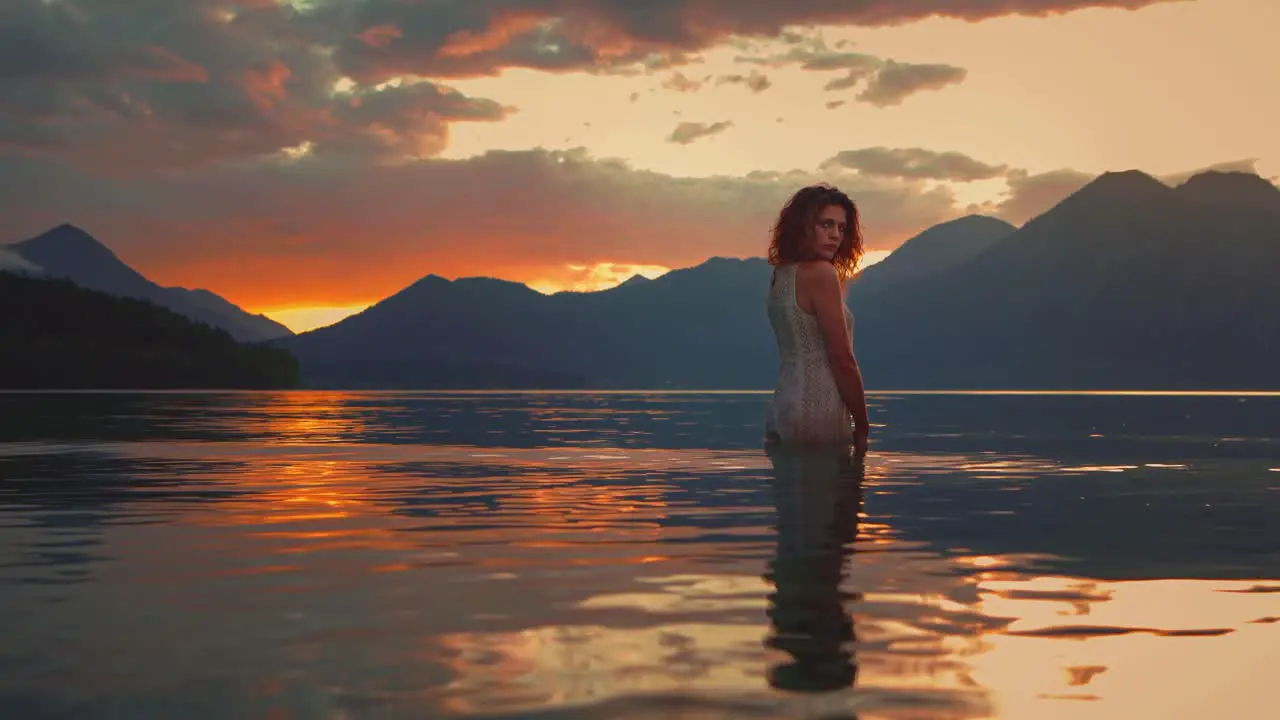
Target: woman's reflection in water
{"type": "Point", "coordinates": [818, 496]}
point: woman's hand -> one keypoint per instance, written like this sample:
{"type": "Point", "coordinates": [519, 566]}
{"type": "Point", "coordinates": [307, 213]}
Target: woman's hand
{"type": "Point", "coordinates": [860, 443]}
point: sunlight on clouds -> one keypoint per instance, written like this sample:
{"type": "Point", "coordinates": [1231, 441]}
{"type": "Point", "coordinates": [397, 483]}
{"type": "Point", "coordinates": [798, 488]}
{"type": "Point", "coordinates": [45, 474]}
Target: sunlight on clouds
{"type": "Point", "coordinates": [592, 278]}
{"type": "Point", "coordinates": [1089, 112]}
{"type": "Point", "coordinates": [605, 275]}
{"type": "Point", "coordinates": [298, 151]}
{"type": "Point", "coordinates": [979, 193]}
{"type": "Point", "coordinates": [871, 257]}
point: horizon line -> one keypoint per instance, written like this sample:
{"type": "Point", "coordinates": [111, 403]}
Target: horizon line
{"type": "Point", "coordinates": [543, 391]}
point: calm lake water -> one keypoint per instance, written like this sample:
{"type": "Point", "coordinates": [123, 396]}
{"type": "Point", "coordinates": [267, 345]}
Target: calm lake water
{"type": "Point", "coordinates": [542, 555]}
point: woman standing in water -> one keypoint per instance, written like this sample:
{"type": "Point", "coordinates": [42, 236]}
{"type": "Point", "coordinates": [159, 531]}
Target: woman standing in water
{"type": "Point", "coordinates": [819, 398]}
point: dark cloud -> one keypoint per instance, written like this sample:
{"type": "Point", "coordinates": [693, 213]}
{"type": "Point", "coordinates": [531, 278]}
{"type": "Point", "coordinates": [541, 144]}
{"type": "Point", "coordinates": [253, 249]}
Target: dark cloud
{"type": "Point", "coordinates": [918, 163]}
{"type": "Point", "coordinates": [60, 41]}
{"type": "Point", "coordinates": [236, 143]}
{"type": "Point", "coordinates": [137, 85]}
{"type": "Point", "coordinates": [688, 132]}
{"type": "Point", "coordinates": [144, 85]}
{"type": "Point", "coordinates": [404, 121]}
{"type": "Point", "coordinates": [376, 39]}
{"type": "Point", "coordinates": [895, 81]}
{"type": "Point", "coordinates": [329, 229]}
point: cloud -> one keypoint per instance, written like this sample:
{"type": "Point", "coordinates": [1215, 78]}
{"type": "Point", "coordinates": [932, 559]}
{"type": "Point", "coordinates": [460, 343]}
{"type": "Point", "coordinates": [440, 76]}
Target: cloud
{"type": "Point", "coordinates": [1247, 165]}
{"type": "Point", "coordinates": [590, 278]}
{"type": "Point", "coordinates": [851, 78]}
{"type": "Point", "coordinates": [688, 132]}
{"type": "Point", "coordinates": [1032, 194]}
{"type": "Point", "coordinates": [148, 85]}
{"type": "Point", "coordinates": [895, 81]}
{"type": "Point", "coordinates": [756, 82]}
{"type": "Point", "coordinates": [811, 53]}
{"type": "Point", "coordinates": [889, 81]}
{"type": "Point", "coordinates": [404, 121]}
{"type": "Point", "coordinates": [11, 261]}
{"type": "Point", "coordinates": [916, 163]}
{"type": "Point", "coordinates": [376, 39]}
{"type": "Point", "coordinates": [344, 229]}
{"type": "Point", "coordinates": [680, 83]}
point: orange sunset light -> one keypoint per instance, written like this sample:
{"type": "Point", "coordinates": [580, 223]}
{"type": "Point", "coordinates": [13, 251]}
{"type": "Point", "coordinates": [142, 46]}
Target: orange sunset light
{"type": "Point", "coordinates": [571, 278]}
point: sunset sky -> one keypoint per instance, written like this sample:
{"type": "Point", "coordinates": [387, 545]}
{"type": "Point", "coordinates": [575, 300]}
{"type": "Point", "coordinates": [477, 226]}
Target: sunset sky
{"type": "Point", "coordinates": [305, 158]}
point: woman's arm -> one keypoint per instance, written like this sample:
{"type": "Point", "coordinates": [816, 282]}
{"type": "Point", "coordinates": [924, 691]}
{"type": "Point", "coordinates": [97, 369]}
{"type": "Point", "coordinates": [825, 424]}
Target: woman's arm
{"type": "Point", "coordinates": [826, 294]}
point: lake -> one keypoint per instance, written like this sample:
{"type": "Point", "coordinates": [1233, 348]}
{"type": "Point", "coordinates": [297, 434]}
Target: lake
{"type": "Point", "coordinates": [636, 555]}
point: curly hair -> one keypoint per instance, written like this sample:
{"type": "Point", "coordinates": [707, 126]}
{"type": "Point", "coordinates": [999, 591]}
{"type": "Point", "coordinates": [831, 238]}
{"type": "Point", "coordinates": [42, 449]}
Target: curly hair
{"type": "Point", "coordinates": [796, 223]}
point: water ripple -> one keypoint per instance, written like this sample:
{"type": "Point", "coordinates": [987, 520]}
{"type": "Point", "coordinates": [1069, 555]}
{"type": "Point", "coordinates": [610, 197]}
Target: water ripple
{"type": "Point", "coordinates": [403, 555]}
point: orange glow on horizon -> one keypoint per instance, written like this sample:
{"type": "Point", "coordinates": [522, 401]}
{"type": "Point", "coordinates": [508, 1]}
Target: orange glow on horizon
{"type": "Point", "coordinates": [592, 278]}
{"type": "Point", "coordinates": [570, 277]}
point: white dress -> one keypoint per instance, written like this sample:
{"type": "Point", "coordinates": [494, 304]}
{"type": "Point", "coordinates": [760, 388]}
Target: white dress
{"type": "Point", "coordinates": [806, 407]}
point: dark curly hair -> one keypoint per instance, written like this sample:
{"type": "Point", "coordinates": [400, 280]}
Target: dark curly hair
{"type": "Point", "coordinates": [796, 223]}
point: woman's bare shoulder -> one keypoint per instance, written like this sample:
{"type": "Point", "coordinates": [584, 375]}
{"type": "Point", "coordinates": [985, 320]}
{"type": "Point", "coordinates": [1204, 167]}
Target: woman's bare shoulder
{"type": "Point", "coordinates": [816, 271]}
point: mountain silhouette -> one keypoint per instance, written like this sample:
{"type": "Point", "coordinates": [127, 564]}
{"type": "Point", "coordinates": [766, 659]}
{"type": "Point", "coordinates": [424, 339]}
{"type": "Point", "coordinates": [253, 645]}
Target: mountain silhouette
{"type": "Point", "coordinates": [57, 334]}
{"type": "Point", "coordinates": [937, 249]}
{"type": "Point", "coordinates": [699, 327]}
{"type": "Point", "coordinates": [1127, 283]}
{"type": "Point", "coordinates": [71, 253]}
{"type": "Point", "coordinates": [1232, 190]}
{"type": "Point", "coordinates": [634, 280]}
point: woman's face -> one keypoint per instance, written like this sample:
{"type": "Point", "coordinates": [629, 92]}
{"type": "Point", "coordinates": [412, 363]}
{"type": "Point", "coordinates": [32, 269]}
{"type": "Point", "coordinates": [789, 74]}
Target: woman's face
{"type": "Point", "coordinates": [828, 232]}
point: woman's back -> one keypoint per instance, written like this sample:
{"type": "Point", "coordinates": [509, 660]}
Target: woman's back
{"type": "Point", "coordinates": [806, 407]}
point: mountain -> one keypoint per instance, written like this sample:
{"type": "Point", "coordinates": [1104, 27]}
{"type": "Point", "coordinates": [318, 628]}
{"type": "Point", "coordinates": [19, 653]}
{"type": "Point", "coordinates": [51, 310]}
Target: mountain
{"type": "Point", "coordinates": [937, 249]}
{"type": "Point", "coordinates": [57, 334]}
{"type": "Point", "coordinates": [69, 252]}
{"type": "Point", "coordinates": [476, 332]}
{"type": "Point", "coordinates": [1234, 190]}
{"type": "Point", "coordinates": [1127, 283]}
{"type": "Point", "coordinates": [634, 280]}
{"type": "Point", "coordinates": [690, 328]}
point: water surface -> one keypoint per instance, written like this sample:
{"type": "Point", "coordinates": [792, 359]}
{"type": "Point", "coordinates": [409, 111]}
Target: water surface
{"type": "Point", "coordinates": [548, 555]}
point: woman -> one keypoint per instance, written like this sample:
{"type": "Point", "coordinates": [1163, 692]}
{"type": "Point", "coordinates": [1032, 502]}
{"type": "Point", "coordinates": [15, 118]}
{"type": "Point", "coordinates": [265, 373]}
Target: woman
{"type": "Point", "coordinates": [819, 398]}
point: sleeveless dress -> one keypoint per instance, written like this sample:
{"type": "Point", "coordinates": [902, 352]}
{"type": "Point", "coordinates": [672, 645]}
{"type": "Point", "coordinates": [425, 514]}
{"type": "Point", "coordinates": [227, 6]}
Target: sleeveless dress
{"type": "Point", "coordinates": [806, 407]}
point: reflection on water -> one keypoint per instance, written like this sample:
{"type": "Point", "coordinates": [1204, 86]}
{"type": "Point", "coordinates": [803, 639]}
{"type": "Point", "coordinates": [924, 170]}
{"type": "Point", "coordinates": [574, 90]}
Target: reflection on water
{"type": "Point", "coordinates": [350, 555]}
{"type": "Point", "coordinates": [818, 496]}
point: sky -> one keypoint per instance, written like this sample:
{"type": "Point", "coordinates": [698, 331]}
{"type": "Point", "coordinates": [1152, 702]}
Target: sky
{"type": "Point", "coordinates": [306, 158]}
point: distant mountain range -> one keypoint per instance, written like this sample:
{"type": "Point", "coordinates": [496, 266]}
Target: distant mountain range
{"type": "Point", "coordinates": [67, 252]}
{"type": "Point", "coordinates": [1126, 284]}
{"type": "Point", "coordinates": [56, 334]}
